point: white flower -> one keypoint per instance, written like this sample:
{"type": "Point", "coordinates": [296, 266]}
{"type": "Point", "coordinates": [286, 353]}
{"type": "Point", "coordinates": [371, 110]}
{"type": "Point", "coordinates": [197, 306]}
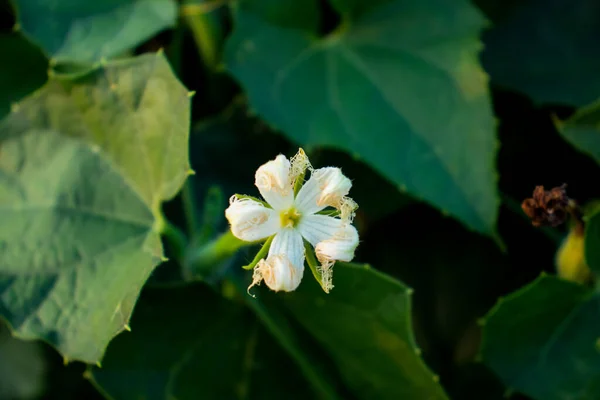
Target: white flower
{"type": "Point", "coordinates": [291, 216]}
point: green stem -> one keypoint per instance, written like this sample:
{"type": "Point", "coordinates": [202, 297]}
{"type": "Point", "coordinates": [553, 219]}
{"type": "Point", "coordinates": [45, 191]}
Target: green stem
{"type": "Point", "coordinates": [201, 260]}
{"type": "Point", "coordinates": [189, 207]}
{"type": "Point", "coordinates": [262, 253]}
{"type": "Point", "coordinates": [173, 51]}
{"type": "Point", "coordinates": [211, 215]}
{"type": "Point", "coordinates": [205, 30]}
{"type": "Point", "coordinates": [175, 237]}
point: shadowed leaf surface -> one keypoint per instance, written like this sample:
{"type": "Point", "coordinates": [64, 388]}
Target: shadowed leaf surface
{"type": "Point", "coordinates": [543, 340]}
{"type": "Point", "coordinates": [75, 31]}
{"type": "Point", "coordinates": [397, 84]}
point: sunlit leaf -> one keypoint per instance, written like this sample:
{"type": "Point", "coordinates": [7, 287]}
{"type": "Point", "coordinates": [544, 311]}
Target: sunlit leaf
{"type": "Point", "coordinates": [84, 167]}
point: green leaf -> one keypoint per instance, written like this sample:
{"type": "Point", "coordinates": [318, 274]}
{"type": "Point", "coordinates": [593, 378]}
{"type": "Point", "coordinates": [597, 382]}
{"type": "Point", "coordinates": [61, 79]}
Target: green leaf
{"type": "Point", "coordinates": [22, 70]}
{"type": "Point", "coordinates": [84, 167]}
{"type": "Point", "coordinates": [582, 130]}
{"type": "Point", "coordinates": [75, 31]}
{"type": "Point", "coordinates": [544, 340]}
{"type": "Point", "coordinates": [548, 50]}
{"type": "Point", "coordinates": [364, 324]}
{"type": "Point", "coordinates": [397, 84]}
{"type": "Point", "coordinates": [592, 242]}
{"type": "Point", "coordinates": [365, 182]}
{"type": "Point", "coordinates": [22, 367]}
{"type": "Point", "coordinates": [189, 343]}
{"type": "Point", "coordinates": [272, 314]}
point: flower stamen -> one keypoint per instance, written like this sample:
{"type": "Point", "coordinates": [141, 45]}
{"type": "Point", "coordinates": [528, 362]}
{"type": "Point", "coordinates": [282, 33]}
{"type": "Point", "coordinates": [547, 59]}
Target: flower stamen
{"type": "Point", "coordinates": [347, 209]}
{"type": "Point", "coordinates": [290, 218]}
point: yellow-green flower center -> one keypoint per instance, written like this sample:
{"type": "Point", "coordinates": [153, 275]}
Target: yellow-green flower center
{"type": "Point", "coordinates": [290, 218]}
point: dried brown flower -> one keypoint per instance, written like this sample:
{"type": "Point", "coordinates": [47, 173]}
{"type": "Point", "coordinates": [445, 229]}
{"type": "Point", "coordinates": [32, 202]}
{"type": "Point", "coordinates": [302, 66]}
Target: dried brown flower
{"type": "Point", "coordinates": [547, 208]}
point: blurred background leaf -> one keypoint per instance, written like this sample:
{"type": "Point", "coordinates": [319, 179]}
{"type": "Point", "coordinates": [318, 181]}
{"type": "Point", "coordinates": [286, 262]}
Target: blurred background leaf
{"type": "Point", "coordinates": [592, 242]}
{"type": "Point", "coordinates": [582, 130]}
{"type": "Point", "coordinates": [543, 340]}
{"type": "Point", "coordinates": [75, 32]}
{"type": "Point", "coordinates": [23, 70]}
{"type": "Point", "coordinates": [547, 49]}
{"type": "Point", "coordinates": [188, 343]}
{"type": "Point", "coordinates": [22, 367]}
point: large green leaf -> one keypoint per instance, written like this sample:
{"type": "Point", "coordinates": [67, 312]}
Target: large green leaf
{"type": "Point", "coordinates": [548, 50]}
{"type": "Point", "coordinates": [84, 167]}
{"type": "Point", "coordinates": [397, 84]}
{"type": "Point", "coordinates": [189, 343]}
{"type": "Point", "coordinates": [543, 340]}
{"type": "Point", "coordinates": [364, 324]}
{"type": "Point", "coordinates": [271, 313]}
{"type": "Point", "coordinates": [22, 70]}
{"type": "Point", "coordinates": [76, 31]}
{"type": "Point", "coordinates": [582, 130]}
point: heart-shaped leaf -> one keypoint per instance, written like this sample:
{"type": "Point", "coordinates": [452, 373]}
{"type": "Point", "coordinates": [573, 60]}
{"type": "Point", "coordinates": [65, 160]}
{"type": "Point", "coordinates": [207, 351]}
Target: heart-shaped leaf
{"type": "Point", "coordinates": [364, 325]}
{"type": "Point", "coordinates": [84, 167]}
{"type": "Point", "coordinates": [397, 84]}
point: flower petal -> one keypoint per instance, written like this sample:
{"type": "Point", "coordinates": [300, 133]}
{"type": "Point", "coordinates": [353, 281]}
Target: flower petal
{"type": "Point", "coordinates": [326, 187]}
{"type": "Point", "coordinates": [278, 273]}
{"type": "Point", "coordinates": [306, 199]}
{"type": "Point", "coordinates": [289, 242]}
{"type": "Point", "coordinates": [273, 181]}
{"type": "Point", "coordinates": [340, 247]}
{"type": "Point", "coordinates": [284, 266]}
{"type": "Point", "coordinates": [250, 220]}
{"type": "Point", "coordinates": [317, 228]}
